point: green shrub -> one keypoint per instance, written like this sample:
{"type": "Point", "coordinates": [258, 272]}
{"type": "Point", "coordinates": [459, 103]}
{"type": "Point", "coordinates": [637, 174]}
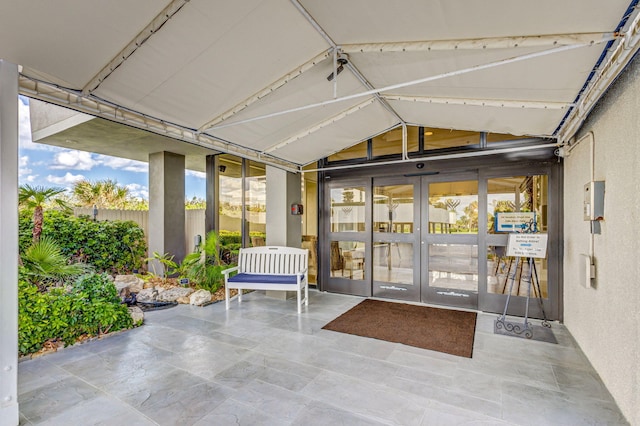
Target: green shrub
{"type": "Point", "coordinates": [205, 270]}
{"type": "Point", "coordinates": [229, 237]}
{"type": "Point", "coordinates": [90, 307]}
{"type": "Point", "coordinates": [110, 246]}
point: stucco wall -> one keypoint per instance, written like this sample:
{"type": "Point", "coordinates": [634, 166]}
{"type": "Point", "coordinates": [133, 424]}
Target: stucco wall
{"type": "Point", "coordinates": [605, 320]}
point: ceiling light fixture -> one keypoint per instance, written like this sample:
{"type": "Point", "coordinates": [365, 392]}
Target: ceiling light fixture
{"type": "Point", "coordinates": [341, 61]}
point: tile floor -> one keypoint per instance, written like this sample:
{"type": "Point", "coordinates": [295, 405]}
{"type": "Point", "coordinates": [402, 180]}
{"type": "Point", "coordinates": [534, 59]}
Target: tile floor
{"type": "Point", "coordinates": [261, 364]}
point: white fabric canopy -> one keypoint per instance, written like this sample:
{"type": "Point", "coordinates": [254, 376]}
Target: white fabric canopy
{"type": "Point", "coordinates": [250, 77]}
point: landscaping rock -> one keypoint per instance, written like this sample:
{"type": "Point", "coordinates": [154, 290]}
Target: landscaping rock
{"type": "Point", "coordinates": [147, 295]}
{"type": "Point", "coordinates": [172, 294]}
{"type": "Point", "coordinates": [200, 297]}
{"type": "Point", "coordinates": [148, 285]}
{"type": "Point", "coordinates": [185, 300]}
{"type": "Point", "coordinates": [137, 315]}
{"type": "Point", "coordinates": [134, 283]}
{"type": "Point", "coordinates": [123, 290]}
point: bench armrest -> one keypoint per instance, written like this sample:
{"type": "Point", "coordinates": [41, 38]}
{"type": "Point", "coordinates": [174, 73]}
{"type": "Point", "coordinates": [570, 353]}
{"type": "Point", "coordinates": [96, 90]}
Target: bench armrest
{"type": "Point", "coordinates": [229, 270]}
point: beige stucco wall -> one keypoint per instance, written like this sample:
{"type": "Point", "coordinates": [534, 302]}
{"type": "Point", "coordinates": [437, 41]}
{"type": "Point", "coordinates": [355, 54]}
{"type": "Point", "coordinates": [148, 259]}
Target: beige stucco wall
{"type": "Point", "coordinates": [605, 320]}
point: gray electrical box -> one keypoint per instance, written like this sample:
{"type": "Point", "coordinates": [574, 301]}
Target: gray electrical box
{"type": "Point", "coordinates": [594, 200]}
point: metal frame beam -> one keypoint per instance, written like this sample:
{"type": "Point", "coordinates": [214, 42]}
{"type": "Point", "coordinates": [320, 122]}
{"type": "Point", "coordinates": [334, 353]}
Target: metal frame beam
{"type": "Point", "coordinates": [142, 37]}
{"type": "Point", "coordinates": [350, 66]}
{"type": "Point", "coordinates": [420, 81]}
{"type": "Point", "coordinates": [479, 43]}
{"type": "Point", "coordinates": [627, 46]}
{"type": "Point", "coordinates": [99, 108]}
{"type": "Point", "coordinates": [267, 90]}
{"type": "Point", "coordinates": [499, 103]}
{"type": "Point", "coordinates": [320, 125]}
{"type": "Point", "coordinates": [470, 154]}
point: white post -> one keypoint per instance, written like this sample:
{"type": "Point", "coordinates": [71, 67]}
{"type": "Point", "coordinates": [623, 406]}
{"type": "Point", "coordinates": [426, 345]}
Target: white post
{"type": "Point", "coordinates": [9, 414]}
{"type": "Point", "coordinates": [283, 229]}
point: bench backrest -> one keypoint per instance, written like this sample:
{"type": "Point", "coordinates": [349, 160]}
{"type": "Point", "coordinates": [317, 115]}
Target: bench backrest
{"type": "Point", "coordinates": [273, 260]}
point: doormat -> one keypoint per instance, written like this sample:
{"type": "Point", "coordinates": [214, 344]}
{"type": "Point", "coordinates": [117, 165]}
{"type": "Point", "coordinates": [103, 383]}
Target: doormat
{"type": "Point", "coordinates": [442, 330]}
{"type": "Point", "coordinates": [539, 333]}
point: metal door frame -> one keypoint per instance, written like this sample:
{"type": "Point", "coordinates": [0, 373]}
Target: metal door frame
{"type": "Point", "coordinates": [429, 294]}
{"type": "Point", "coordinates": [400, 291]}
{"type": "Point", "coordinates": [340, 284]}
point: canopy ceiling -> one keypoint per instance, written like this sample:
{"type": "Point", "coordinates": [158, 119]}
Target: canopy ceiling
{"type": "Point", "coordinates": [251, 77]}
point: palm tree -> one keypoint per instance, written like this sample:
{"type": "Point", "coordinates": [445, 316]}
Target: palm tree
{"type": "Point", "coordinates": [34, 198]}
{"type": "Point", "coordinates": [102, 193]}
{"type": "Point", "coordinates": [45, 265]}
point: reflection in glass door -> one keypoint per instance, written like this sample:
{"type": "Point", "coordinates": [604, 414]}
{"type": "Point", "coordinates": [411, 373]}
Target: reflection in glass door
{"type": "Point", "coordinates": [395, 252]}
{"type": "Point", "coordinates": [506, 195]}
{"type": "Point", "coordinates": [349, 236]}
{"type": "Point", "coordinates": [450, 235]}
{"type": "Point", "coordinates": [434, 239]}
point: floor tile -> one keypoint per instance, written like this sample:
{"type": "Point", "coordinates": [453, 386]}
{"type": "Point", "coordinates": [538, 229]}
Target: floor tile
{"type": "Point", "coordinates": [260, 363]}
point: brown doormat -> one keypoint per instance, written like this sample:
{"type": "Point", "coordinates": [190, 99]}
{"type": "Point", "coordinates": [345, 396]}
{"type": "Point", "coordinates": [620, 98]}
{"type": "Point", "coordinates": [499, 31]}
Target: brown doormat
{"type": "Point", "coordinates": [442, 330]}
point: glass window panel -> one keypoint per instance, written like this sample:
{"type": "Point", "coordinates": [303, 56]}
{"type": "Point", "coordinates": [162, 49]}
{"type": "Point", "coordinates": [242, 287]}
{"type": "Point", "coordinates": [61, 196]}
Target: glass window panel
{"type": "Point", "coordinates": [393, 208]}
{"type": "Point", "coordinates": [256, 203]}
{"type": "Point", "coordinates": [453, 207]}
{"type": "Point", "coordinates": [390, 142]}
{"type": "Point", "coordinates": [445, 138]}
{"type": "Point", "coordinates": [393, 262]}
{"type": "Point", "coordinates": [351, 153]}
{"type": "Point", "coordinates": [505, 275]}
{"type": "Point", "coordinates": [453, 266]}
{"type": "Point", "coordinates": [347, 259]}
{"type": "Point", "coordinates": [347, 209]}
{"type": "Point", "coordinates": [518, 194]}
{"type": "Point", "coordinates": [230, 170]}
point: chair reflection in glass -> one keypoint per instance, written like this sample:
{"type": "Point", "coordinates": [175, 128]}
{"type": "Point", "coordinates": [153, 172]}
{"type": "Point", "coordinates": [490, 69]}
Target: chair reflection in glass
{"type": "Point", "coordinates": [348, 260]}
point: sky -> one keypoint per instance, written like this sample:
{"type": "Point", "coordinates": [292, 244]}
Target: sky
{"type": "Point", "coordinates": [51, 166]}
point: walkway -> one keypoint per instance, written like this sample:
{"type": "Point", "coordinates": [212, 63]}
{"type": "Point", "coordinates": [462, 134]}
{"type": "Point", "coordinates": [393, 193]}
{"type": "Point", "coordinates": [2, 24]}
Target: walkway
{"type": "Point", "coordinates": [260, 363]}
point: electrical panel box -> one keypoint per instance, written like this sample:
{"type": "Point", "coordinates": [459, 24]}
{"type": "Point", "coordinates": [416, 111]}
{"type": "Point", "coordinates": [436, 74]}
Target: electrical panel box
{"type": "Point", "coordinates": [594, 200]}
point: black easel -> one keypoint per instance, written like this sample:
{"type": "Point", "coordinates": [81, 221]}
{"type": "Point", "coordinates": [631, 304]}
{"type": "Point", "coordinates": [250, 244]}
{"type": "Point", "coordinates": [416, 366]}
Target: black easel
{"type": "Point", "coordinates": [532, 281]}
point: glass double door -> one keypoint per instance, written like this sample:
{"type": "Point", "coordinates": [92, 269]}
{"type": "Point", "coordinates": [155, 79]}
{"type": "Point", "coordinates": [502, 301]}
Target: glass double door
{"type": "Point", "coordinates": [434, 239]}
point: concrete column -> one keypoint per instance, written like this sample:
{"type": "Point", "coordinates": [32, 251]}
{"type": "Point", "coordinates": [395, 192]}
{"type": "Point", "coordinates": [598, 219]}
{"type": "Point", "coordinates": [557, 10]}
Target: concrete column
{"type": "Point", "coordinates": [166, 204]}
{"type": "Point", "coordinates": [283, 228]}
{"type": "Point", "coordinates": [9, 413]}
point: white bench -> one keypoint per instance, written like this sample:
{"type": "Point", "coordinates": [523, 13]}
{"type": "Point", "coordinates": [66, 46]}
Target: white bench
{"type": "Point", "coordinates": [269, 268]}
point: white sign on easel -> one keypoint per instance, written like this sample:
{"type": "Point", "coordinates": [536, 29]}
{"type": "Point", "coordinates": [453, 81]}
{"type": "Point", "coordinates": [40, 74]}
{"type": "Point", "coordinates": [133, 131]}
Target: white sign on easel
{"type": "Point", "coordinates": [527, 245]}
{"type": "Point", "coordinates": [514, 221]}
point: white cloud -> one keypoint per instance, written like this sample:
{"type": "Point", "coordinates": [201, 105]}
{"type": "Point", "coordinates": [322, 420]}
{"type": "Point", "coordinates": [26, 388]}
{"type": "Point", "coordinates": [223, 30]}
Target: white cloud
{"type": "Point", "coordinates": [138, 191]}
{"type": "Point", "coordinates": [23, 166]}
{"type": "Point", "coordinates": [67, 179]}
{"type": "Point", "coordinates": [75, 160]}
{"type": "Point", "coordinates": [123, 164]}
{"type": "Point", "coordinates": [193, 173]}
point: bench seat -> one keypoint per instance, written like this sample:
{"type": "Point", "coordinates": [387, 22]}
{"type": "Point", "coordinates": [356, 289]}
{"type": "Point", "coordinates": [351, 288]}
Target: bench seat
{"type": "Point", "coordinates": [269, 268]}
{"type": "Point", "coordinates": [264, 278]}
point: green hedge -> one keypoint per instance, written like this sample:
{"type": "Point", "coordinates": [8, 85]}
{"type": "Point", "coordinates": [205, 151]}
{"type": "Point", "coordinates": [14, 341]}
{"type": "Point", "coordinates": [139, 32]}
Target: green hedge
{"type": "Point", "coordinates": [110, 246]}
{"type": "Point", "coordinates": [231, 239]}
{"type": "Point", "coordinates": [91, 306]}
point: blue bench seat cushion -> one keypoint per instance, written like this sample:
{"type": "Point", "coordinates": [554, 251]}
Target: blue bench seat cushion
{"type": "Point", "coordinates": [263, 278]}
